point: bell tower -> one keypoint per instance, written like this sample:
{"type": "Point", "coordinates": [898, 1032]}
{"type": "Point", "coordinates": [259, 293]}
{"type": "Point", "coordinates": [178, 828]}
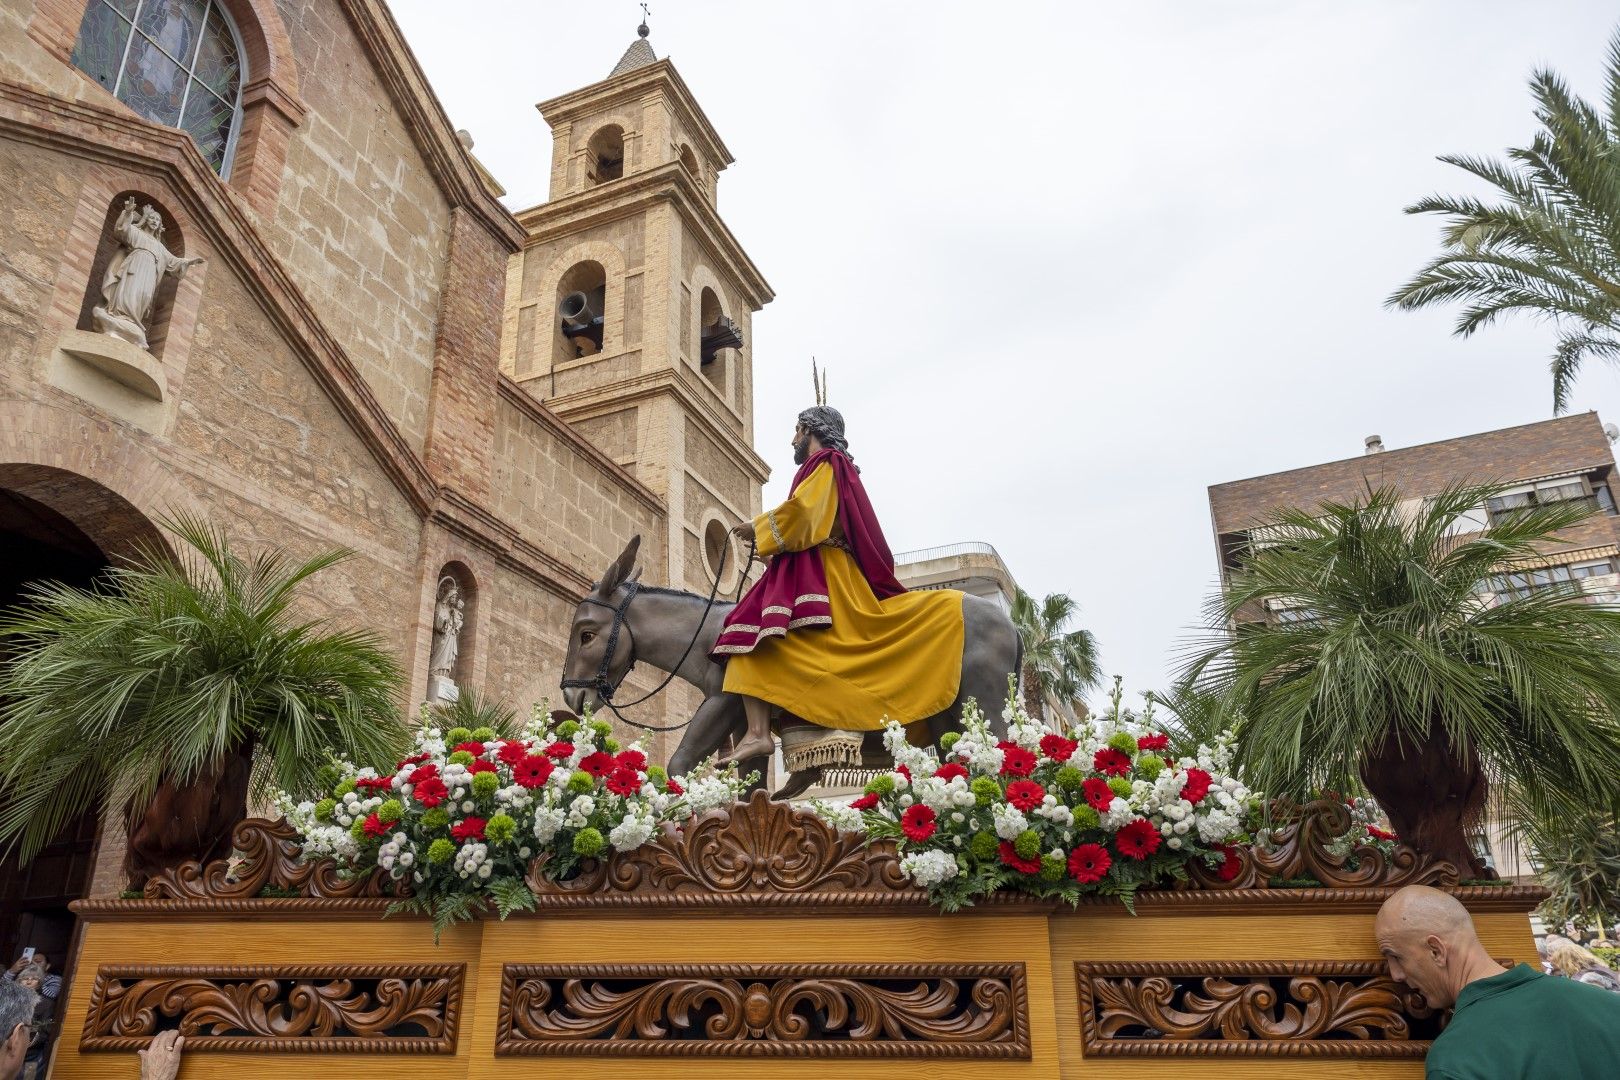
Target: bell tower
{"type": "Point", "coordinates": [629, 310]}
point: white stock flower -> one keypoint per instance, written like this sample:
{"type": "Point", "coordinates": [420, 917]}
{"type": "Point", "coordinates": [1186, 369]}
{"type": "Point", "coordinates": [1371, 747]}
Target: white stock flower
{"type": "Point", "coordinates": [1118, 815]}
{"type": "Point", "coordinates": [1010, 821]}
{"type": "Point", "coordinates": [631, 833]}
{"type": "Point", "coordinates": [547, 820]}
{"type": "Point", "coordinates": [928, 868]}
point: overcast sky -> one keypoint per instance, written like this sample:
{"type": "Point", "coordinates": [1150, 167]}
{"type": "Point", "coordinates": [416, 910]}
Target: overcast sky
{"type": "Point", "coordinates": [1070, 264]}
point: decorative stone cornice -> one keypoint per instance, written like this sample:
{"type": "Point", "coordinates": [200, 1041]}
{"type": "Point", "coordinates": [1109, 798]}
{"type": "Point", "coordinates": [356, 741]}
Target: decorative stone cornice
{"type": "Point", "coordinates": [634, 195]}
{"type": "Point", "coordinates": [614, 396]}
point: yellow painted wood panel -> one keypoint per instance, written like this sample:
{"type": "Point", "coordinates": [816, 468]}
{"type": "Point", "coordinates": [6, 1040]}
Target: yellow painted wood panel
{"type": "Point", "coordinates": [1094, 937]}
{"type": "Point", "coordinates": [740, 939]}
{"type": "Point", "coordinates": [264, 941]}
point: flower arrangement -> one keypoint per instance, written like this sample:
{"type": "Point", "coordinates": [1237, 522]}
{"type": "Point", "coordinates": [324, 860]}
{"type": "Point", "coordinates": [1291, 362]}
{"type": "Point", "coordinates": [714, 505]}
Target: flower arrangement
{"type": "Point", "coordinates": [461, 818]}
{"type": "Point", "coordinates": [1098, 809]}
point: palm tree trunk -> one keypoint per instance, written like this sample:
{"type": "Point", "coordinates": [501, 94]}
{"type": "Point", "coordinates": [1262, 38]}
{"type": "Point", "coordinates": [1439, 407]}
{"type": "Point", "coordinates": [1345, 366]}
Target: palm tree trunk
{"type": "Point", "coordinates": [1431, 793]}
{"type": "Point", "coordinates": [189, 821]}
{"type": "Point", "coordinates": [1034, 698]}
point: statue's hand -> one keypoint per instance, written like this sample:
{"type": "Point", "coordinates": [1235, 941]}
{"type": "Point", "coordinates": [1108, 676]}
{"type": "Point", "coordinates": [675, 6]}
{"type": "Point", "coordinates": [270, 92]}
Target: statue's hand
{"type": "Point", "coordinates": [744, 532]}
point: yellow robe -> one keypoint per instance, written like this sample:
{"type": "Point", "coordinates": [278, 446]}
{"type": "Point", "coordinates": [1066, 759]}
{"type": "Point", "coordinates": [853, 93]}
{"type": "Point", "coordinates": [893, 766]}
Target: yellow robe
{"type": "Point", "coordinates": [899, 658]}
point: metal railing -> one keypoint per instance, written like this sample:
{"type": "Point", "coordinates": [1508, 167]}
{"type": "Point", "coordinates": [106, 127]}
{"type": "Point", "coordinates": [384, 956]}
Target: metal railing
{"type": "Point", "coordinates": [946, 551]}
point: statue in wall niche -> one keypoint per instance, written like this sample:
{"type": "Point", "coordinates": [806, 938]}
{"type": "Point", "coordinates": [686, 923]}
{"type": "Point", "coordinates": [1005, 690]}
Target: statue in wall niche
{"type": "Point", "coordinates": [449, 615]}
{"type": "Point", "coordinates": [133, 275]}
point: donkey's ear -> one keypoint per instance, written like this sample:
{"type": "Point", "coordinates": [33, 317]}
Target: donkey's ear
{"type": "Point", "coordinates": [619, 572]}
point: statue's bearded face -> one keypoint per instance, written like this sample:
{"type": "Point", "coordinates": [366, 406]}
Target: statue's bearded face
{"type": "Point", "coordinates": [801, 445]}
{"type": "Point", "coordinates": [151, 221]}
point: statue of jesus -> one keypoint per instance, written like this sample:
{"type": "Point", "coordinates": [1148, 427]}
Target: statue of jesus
{"type": "Point", "coordinates": [133, 275]}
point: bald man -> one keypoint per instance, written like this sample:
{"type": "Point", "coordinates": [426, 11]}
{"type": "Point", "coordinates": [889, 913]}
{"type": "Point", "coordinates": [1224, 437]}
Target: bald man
{"type": "Point", "coordinates": [1509, 1023]}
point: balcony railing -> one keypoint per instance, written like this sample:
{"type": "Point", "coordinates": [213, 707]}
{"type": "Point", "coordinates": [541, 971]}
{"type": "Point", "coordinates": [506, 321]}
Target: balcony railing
{"type": "Point", "coordinates": [947, 551]}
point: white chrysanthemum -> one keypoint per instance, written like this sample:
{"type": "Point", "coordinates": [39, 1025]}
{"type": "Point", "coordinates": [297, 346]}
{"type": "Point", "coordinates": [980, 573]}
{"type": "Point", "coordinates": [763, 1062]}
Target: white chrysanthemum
{"type": "Point", "coordinates": [929, 868]}
{"type": "Point", "coordinates": [1010, 821]}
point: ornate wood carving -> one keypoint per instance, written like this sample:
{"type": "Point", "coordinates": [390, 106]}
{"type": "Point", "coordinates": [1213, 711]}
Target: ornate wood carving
{"type": "Point", "coordinates": [298, 1008]}
{"type": "Point", "coordinates": [1300, 847]}
{"type": "Point", "coordinates": [764, 1010]}
{"type": "Point", "coordinates": [270, 857]}
{"type": "Point", "coordinates": [744, 855]}
{"type": "Point", "coordinates": [1289, 1008]}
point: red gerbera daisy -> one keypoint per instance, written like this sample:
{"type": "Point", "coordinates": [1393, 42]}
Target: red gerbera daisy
{"type": "Point", "coordinates": [1089, 863]}
{"type": "Point", "coordinates": [598, 764]}
{"type": "Point", "coordinates": [374, 784]}
{"type": "Point", "coordinates": [1010, 856]}
{"type": "Point", "coordinates": [1153, 742]}
{"type": "Point", "coordinates": [903, 771]}
{"type": "Point", "coordinates": [1099, 796]}
{"type": "Point", "coordinates": [430, 792]}
{"type": "Point", "coordinates": [1016, 761]}
{"type": "Point", "coordinates": [1197, 785]}
{"type": "Point", "coordinates": [481, 766]}
{"type": "Point", "coordinates": [560, 750]}
{"type": "Point", "coordinates": [866, 802]}
{"type": "Point", "coordinates": [950, 771]}
{"type": "Point", "coordinates": [1230, 864]}
{"type": "Point", "coordinates": [1057, 747]}
{"type": "Point", "coordinates": [1137, 840]}
{"type": "Point", "coordinates": [473, 748]}
{"type": "Point", "coordinates": [1381, 834]}
{"type": "Point", "coordinates": [513, 752]}
{"type": "Point", "coordinates": [532, 771]}
{"type": "Point", "coordinates": [1111, 762]}
{"type": "Point", "coordinates": [917, 823]}
{"type": "Point", "coordinates": [673, 788]}
{"type": "Point", "coordinates": [631, 759]}
{"type": "Point", "coordinates": [374, 826]}
{"type": "Point", "coordinates": [624, 781]}
{"type": "Point", "coordinates": [1025, 794]}
{"type": "Point", "coordinates": [468, 829]}
{"type": "Point", "coordinates": [421, 773]}
{"type": "Point", "coordinates": [415, 759]}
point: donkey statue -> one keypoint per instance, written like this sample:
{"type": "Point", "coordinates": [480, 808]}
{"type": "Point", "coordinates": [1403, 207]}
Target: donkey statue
{"type": "Point", "coordinates": [621, 622]}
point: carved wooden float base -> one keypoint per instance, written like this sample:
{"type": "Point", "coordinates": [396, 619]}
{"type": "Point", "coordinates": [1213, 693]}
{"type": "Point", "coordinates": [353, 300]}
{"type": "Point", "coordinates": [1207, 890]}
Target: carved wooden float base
{"type": "Point", "coordinates": [717, 955]}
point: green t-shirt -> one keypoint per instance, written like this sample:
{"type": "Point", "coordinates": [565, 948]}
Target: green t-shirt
{"type": "Point", "coordinates": [1523, 1025]}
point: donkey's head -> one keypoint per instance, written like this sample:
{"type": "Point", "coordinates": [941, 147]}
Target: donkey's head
{"type": "Point", "coordinates": [589, 665]}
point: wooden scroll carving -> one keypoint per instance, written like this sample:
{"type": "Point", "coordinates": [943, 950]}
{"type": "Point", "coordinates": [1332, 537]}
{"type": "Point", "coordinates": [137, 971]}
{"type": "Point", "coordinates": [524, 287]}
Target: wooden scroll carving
{"type": "Point", "coordinates": [744, 855]}
{"type": "Point", "coordinates": [270, 857]}
{"type": "Point", "coordinates": [764, 1010]}
{"type": "Point", "coordinates": [1292, 1008]}
{"type": "Point", "coordinates": [296, 1008]}
{"type": "Point", "coordinates": [1301, 848]}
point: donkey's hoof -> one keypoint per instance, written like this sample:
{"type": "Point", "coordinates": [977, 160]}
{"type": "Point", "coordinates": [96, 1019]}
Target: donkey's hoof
{"type": "Point", "coordinates": [797, 784]}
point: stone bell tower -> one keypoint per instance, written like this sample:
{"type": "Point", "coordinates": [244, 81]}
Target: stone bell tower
{"type": "Point", "coordinates": [629, 311]}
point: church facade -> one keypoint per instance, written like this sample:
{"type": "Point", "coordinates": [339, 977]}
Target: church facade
{"type": "Point", "coordinates": [363, 347]}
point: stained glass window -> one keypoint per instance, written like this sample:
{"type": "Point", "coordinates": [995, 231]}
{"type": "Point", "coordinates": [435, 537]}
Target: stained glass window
{"type": "Point", "coordinates": [177, 62]}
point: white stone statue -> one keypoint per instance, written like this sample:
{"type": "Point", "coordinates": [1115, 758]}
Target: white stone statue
{"type": "Point", "coordinates": [133, 275]}
{"type": "Point", "coordinates": [449, 615]}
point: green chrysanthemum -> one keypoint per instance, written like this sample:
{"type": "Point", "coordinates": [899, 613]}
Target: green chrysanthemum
{"type": "Point", "coordinates": [1124, 742]}
{"type": "Point", "coordinates": [985, 790]}
{"type": "Point", "coordinates": [441, 851]}
{"type": "Point", "coordinates": [611, 745]}
{"type": "Point", "coordinates": [390, 811]}
{"type": "Point", "coordinates": [500, 828]}
{"type": "Point", "coordinates": [343, 788]}
{"type": "Point", "coordinates": [1150, 766]}
{"type": "Point", "coordinates": [462, 757]}
{"type": "Point", "coordinates": [602, 728]}
{"type": "Point", "coordinates": [881, 784]}
{"type": "Point", "coordinates": [657, 775]}
{"type": "Point", "coordinates": [1086, 818]}
{"type": "Point", "coordinates": [436, 818]}
{"type": "Point", "coordinates": [581, 782]}
{"type": "Point", "coordinates": [457, 736]}
{"type": "Point", "coordinates": [588, 843]}
{"type": "Point", "coordinates": [984, 846]}
{"type": "Point", "coordinates": [485, 784]}
{"type": "Point", "coordinates": [482, 734]}
{"type": "Point", "coordinates": [1070, 778]}
{"type": "Point", "coordinates": [324, 808]}
{"type": "Point", "coordinates": [567, 729]}
{"type": "Point", "coordinates": [948, 740]}
{"type": "Point", "coordinates": [1028, 844]}
{"type": "Point", "coordinates": [1053, 868]}
{"type": "Point", "coordinates": [358, 830]}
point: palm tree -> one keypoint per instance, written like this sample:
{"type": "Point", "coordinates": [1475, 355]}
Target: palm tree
{"type": "Point", "coordinates": [1192, 715]}
{"type": "Point", "coordinates": [1056, 662]}
{"type": "Point", "coordinates": [1398, 667]}
{"type": "Point", "coordinates": [1577, 857]}
{"type": "Point", "coordinates": [1551, 246]}
{"type": "Point", "coordinates": [172, 685]}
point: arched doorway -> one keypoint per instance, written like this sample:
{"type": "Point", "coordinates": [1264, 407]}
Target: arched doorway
{"type": "Point", "coordinates": [59, 526]}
